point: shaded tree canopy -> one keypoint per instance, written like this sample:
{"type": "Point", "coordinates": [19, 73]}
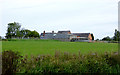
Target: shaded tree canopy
{"type": "Point", "coordinates": [97, 39]}
{"type": "Point", "coordinates": [27, 33]}
{"type": "Point", "coordinates": [106, 38]}
{"type": "Point", "coordinates": [34, 34]}
{"type": "Point", "coordinates": [116, 36]}
{"type": "Point", "coordinates": [0, 37]}
{"type": "Point", "coordinates": [92, 36]}
{"type": "Point", "coordinates": [13, 30]}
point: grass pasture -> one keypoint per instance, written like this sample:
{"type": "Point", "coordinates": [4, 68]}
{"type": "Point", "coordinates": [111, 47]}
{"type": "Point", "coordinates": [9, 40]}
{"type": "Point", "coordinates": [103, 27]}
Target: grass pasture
{"type": "Point", "coordinates": [36, 47]}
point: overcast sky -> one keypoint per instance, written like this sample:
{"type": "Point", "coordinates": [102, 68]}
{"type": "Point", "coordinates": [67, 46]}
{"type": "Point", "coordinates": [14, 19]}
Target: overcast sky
{"type": "Point", "coordinates": [99, 17]}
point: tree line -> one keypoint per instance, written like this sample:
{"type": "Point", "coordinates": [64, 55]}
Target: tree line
{"type": "Point", "coordinates": [116, 37]}
{"type": "Point", "coordinates": [14, 31]}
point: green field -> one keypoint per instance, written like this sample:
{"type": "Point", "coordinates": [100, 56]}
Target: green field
{"type": "Point", "coordinates": [36, 47]}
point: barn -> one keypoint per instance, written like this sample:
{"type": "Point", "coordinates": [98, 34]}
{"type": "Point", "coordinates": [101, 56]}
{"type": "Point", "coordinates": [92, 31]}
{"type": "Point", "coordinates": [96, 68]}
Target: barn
{"type": "Point", "coordinates": [67, 36]}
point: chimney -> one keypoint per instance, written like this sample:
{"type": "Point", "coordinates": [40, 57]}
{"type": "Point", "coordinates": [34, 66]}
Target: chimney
{"type": "Point", "coordinates": [43, 33]}
{"type": "Point", "coordinates": [52, 31]}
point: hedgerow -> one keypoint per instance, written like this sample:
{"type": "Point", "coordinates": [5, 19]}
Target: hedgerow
{"type": "Point", "coordinates": [61, 63]}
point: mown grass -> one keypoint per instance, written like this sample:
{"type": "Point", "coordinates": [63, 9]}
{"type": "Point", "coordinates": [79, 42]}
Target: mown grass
{"type": "Point", "coordinates": [36, 47]}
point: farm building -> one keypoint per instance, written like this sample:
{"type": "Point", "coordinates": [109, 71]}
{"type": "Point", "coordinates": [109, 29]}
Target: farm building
{"type": "Point", "coordinates": [66, 36]}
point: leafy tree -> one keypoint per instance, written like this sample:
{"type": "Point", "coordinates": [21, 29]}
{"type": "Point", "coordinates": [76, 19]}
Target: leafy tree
{"type": "Point", "coordinates": [116, 36]}
{"type": "Point", "coordinates": [18, 34]}
{"type": "Point", "coordinates": [106, 38]}
{"type": "Point", "coordinates": [97, 39]}
{"type": "Point", "coordinates": [92, 36]}
{"type": "Point", "coordinates": [13, 30]}
{"type": "Point", "coordinates": [0, 37]}
{"type": "Point", "coordinates": [25, 33]}
{"type": "Point", "coordinates": [34, 34]}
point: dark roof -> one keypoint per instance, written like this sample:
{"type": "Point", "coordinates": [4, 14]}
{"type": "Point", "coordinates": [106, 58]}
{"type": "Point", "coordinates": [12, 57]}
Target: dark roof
{"type": "Point", "coordinates": [63, 31]}
{"type": "Point", "coordinates": [47, 33]}
{"type": "Point", "coordinates": [82, 34]}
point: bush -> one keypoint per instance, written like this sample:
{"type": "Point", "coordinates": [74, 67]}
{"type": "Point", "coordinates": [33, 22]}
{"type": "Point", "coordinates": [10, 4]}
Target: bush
{"type": "Point", "coordinates": [0, 38]}
{"type": "Point", "coordinates": [71, 63]}
{"type": "Point", "coordinates": [4, 39]}
{"type": "Point", "coordinates": [61, 63]}
{"type": "Point", "coordinates": [12, 39]}
{"type": "Point", "coordinates": [10, 62]}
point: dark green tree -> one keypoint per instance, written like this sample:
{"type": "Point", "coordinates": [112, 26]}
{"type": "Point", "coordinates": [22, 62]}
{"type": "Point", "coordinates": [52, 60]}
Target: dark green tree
{"type": "Point", "coordinates": [34, 34]}
{"type": "Point", "coordinates": [25, 33]}
{"type": "Point", "coordinates": [0, 37]}
{"type": "Point", "coordinates": [92, 36]}
{"type": "Point", "coordinates": [97, 39]}
{"type": "Point", "coordinates": [116, 36]}
{"type": "Point", "coordinates": [106, 38]}
{"type": "Point", "coordinates": [13, 30]}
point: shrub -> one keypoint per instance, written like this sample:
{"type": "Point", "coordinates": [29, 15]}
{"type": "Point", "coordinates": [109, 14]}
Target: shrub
{"type": "Point", "coordinates": [12, 39]}
{"type": "Point", "coordinates": [71, 63]}
{"type": "Point", "coordinates": [61, 63]}
{"type": "Point", "coordinates": [4, 39]}
{"type": "Point", "coordinates": [10, 62]}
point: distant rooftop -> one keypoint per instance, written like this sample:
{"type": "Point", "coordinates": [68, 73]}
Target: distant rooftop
{"type": "Point", "coordinates": [81, 34]}
{"type": "Point", "coordinates": [64, 31]}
